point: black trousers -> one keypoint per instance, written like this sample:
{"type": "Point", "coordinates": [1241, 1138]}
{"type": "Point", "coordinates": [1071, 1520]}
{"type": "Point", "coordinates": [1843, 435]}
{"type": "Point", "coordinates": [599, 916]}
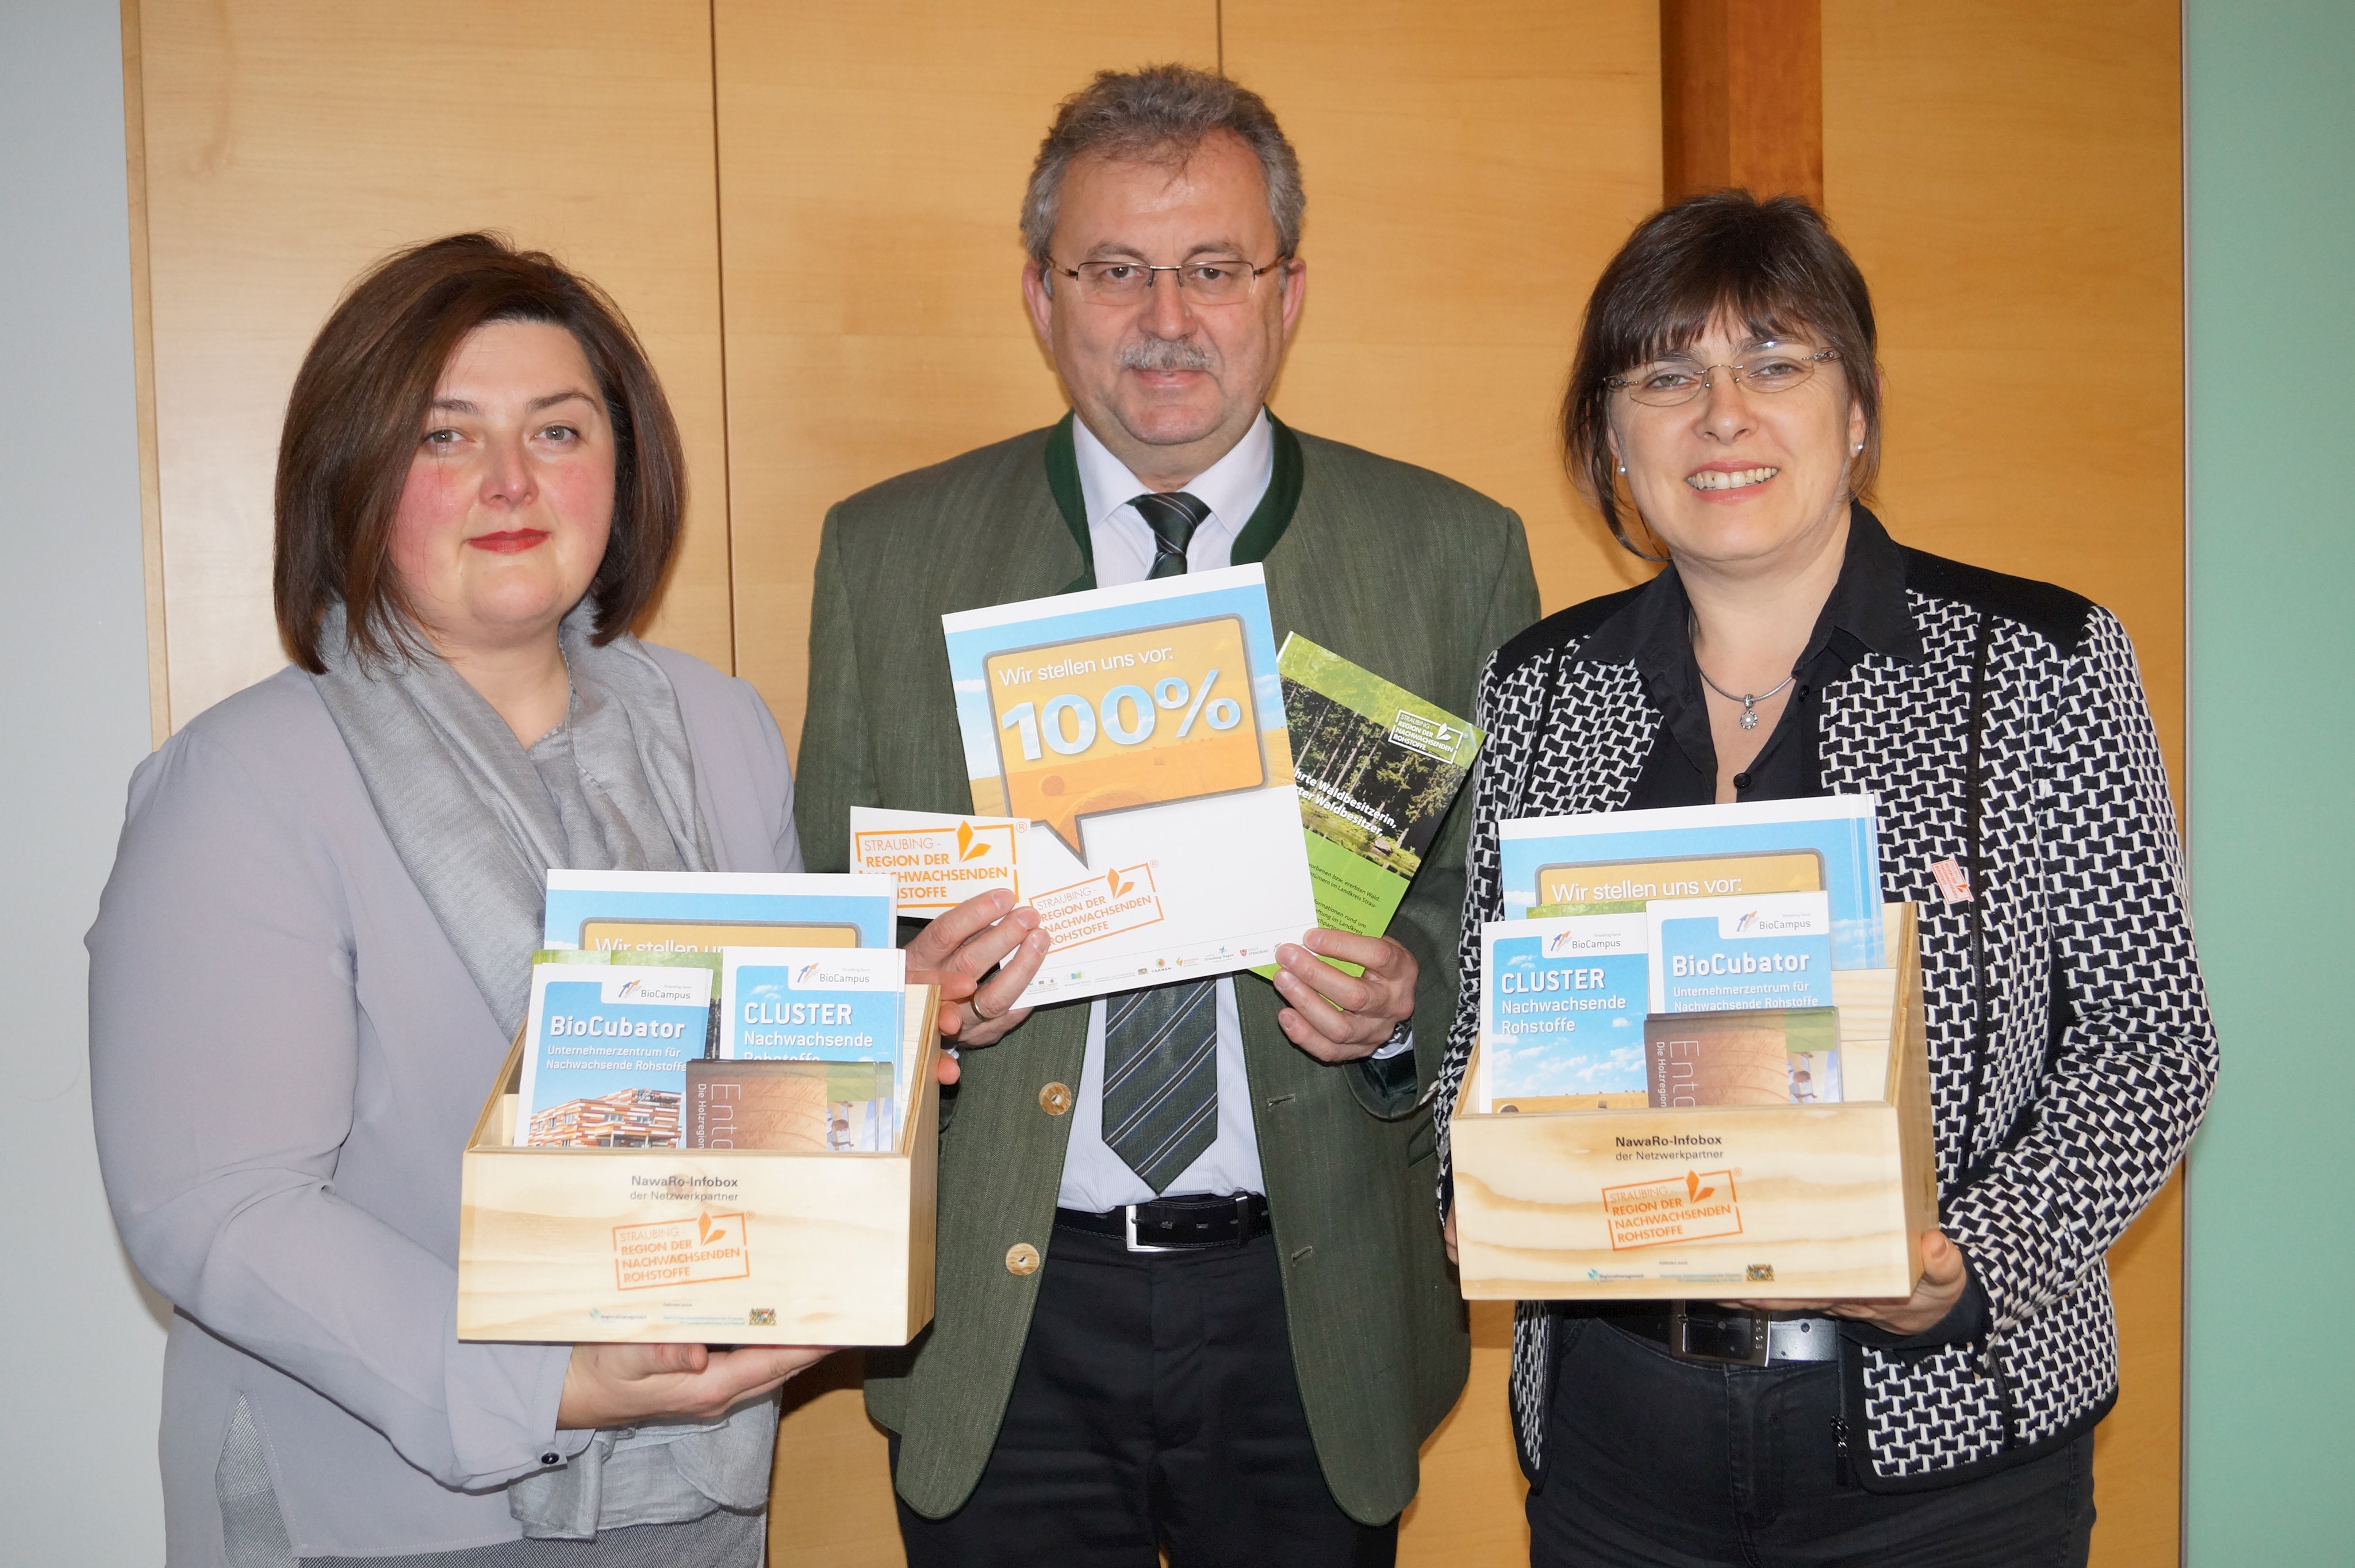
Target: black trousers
{"type": "Point", "coordinates": [1652, 1461]}
{"type": "Point", "coordinates": [1155, 1409]}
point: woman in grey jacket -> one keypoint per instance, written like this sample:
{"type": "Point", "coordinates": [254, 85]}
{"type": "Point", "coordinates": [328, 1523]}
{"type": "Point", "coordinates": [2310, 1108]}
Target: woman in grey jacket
{"type": "Point", "coordinates": [314, 948]}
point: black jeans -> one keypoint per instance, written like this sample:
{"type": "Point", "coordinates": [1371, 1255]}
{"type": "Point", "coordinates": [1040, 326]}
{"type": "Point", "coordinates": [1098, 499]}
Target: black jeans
{"type": "Point", "coordinates": [1651, 1462]}
{"type": "Point", "coordinates": [1155, 1409]}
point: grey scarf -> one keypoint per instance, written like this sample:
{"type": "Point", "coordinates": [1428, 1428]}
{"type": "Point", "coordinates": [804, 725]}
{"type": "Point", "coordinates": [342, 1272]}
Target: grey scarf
{"type": "Point", "coordinates": [479, 820]}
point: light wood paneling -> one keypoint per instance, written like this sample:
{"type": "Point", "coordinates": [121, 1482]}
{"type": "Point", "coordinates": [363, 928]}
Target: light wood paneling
{"type": "Point", "coordinates": [874, 161]}
{"type": "Point", "coordinates": [288, 146]}
{"type": "Point", "coordinates": [1741, 97]}
{"type": "Point", "coordinates": [1469, 170]}
{"type": "Point", "coordinates": [2008, 175]}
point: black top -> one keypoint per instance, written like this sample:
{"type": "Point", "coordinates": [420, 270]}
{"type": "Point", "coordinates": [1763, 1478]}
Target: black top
{"type": "Point", "coordinates": [1653, 630]}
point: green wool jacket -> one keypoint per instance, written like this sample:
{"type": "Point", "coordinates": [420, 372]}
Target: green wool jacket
{"type": "Point", "coordinates": [1410, 574]}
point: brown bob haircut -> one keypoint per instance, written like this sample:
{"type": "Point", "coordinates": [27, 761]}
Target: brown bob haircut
{"type": "Point", "coordinates": [1771, 265]}
{"type": "Point", "coordinates": [358, 409]}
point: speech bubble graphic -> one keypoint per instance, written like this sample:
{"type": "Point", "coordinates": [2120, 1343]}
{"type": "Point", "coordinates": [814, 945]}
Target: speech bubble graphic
{"type": "Point", "coordinates": [1124, 719]}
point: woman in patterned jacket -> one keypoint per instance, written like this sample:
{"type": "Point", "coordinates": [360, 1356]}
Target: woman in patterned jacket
{"type": "Point", "coordinates": [1726, 385]}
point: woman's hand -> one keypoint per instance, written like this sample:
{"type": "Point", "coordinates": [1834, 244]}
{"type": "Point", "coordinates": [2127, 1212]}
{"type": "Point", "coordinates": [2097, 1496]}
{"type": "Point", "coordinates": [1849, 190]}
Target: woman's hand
{"type": "Point", "coordinates": [1944, 1277]}
{"type": "Point", "coordinates": [637, 1385]}
{"type": "Point", "coordinates": [957, 953]}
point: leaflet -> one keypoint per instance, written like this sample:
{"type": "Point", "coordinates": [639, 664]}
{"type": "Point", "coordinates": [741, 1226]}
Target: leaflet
{"type": "Point", "coordinates": [938, 860]}
{"type": "Point", "coordinates": [1716, 955]}
{"type": "Point", "coordinates": [703, 911]}
{"type": "Point", "coordinates": [785, 1004]}
{"type": "Point", "coordinates": [1141, 732]}
{"type": "Point", "coordinates": [605, 1052]}
{"type": "Point", "coordinates": [805, 1107]}
{"type": "Point", "coordinates": [1827, 844]}
{"type": "Point", "coordinates": [1775, 1057]}
{"type": "Point", "coordinates": [1378, 767]}
{"type": "Point", "coordinates": [1562, 1005]}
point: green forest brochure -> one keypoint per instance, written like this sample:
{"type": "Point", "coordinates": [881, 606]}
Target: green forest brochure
{"type": "Point", "coordinates": [1376, 768]}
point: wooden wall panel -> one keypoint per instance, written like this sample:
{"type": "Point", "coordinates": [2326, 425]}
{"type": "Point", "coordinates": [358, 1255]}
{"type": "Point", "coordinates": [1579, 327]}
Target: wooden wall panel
{"type": "Point", "coordinates": [874, 160]}
{"type": "Point", "coordinates": [287, 145]}
{"type": "Point", "coordinates": [1469, 170]}
{"type": "Point", "coordinates": [2008, 175]}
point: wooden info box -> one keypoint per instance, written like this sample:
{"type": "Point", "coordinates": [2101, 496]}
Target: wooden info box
{"type": "Point", "coordinates": [1800, 1202]}
{"type": "Point", "coordinates": [702, 1247]}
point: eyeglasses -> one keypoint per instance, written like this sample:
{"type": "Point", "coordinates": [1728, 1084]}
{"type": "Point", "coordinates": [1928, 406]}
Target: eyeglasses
{"type": "Point", "coordinates": [1206, 280]}
{"type": "Point", "coordinates": [1669, 383]}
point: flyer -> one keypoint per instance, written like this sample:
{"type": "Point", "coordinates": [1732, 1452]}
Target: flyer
{"type": "Point", "coordinates": [1716, 955]}
{"type": "Point", "coordinates": [810, 1004]}
{"type": "Point", "coordinates": [1768, 1056]}
{"type": "Point", "coordinates": [803, 1108]}
{"type": "Point", "coordinates": [1376, 768]}
{"type": "Point", "coordinates": [1141, 731]}
{"type": "Point", "coordinates": [703, 911]}
{"type": "Point", "coordinates": [605, 1053]}
{"type": "Point", "coordinates": [1827, 844]}
{"type": "Point", "coordinates": [937, 858]}
{"type": "Point", "coordinates": [1561, 1011]}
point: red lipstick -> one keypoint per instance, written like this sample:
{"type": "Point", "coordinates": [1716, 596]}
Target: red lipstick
{"type": "Point", "coordinates": [514, 541]}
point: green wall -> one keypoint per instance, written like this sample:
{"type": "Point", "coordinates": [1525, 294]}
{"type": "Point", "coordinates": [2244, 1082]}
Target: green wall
{"type": "Point", "coordinates": [2270, 142]}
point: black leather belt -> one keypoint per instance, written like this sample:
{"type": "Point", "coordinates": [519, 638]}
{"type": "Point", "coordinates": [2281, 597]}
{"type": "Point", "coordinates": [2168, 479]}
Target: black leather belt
{"type": "Point", "coordinates": [1174, 1224]}
{"type": "Point", "coordinates": [1728, 1337]}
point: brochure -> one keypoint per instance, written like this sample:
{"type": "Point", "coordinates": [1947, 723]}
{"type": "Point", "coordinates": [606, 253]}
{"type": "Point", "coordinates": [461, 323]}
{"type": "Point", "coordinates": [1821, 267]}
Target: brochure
{"type": "Point", "coordinates": [1562, 1005]}
{"type": "Point", "coordinates": [605, 1052]}
{"type": "Point", "coordinates": [1141, 732]}
{"type": "Point", "coordinates": [938, 860]}
{"type": "Point", "coordinates": [1376, 768]}
{"type": "Point", "coordinates": [787, 1004]}
{"type": "Point", "coordinates": [703, 911]}
{"type": "Point", "coordinates": [1714, 956]}
{"type": "Point", "coordinates": [1825, 844]}
{"type": "Point", "coordinates": [804, 1107]}
{"type": "Point", "coordinates": [1773, 1057]}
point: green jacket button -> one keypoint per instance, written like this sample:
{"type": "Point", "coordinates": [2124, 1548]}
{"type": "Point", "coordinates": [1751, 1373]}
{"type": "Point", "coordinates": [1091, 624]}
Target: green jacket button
{"type": "Point", "coordinates": [1055, 1099]}
{"type": "Point", "coordinates": [1022, 1259]}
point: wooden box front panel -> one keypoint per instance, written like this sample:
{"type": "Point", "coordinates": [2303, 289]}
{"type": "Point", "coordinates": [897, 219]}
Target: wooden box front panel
{"type": "Point", "coordinates": [704, 1245]}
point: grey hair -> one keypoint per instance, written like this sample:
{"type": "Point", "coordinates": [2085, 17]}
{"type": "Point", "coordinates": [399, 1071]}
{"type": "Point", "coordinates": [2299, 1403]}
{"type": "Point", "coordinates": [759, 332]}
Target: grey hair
{"type": "Point", "coordinates": [1162, 111]}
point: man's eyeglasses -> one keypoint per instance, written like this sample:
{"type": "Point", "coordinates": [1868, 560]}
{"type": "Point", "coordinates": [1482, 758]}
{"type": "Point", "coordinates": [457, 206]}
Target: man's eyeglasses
{"type": "Point", "coordinates": [1205, 280]}
{"type": "Point", "coordinates": [1668, 383]}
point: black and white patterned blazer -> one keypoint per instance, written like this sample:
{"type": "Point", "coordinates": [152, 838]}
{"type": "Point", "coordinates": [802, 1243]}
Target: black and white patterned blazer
{"type": "Point", "coordinates": [2099, 1054]}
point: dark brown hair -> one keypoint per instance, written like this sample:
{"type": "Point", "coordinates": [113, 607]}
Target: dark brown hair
{"type": "Point", "coordinates": [357, 411]}
{"type": "Point", "coordinates": [1771, 265]}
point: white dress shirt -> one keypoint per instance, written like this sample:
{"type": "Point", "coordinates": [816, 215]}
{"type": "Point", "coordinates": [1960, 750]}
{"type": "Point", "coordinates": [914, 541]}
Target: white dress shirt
{"type": "Point", "coordinates": [1095, 1178]}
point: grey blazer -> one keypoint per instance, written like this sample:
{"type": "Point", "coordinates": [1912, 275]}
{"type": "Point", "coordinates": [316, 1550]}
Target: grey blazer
{"type": "Point", "coordinates": [286, 1057]}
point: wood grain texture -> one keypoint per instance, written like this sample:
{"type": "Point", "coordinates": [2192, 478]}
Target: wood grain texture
{"type": "Point", "coordinates": [874, 158]}
{"type": "Point", "coordinates": [1832, 1198]}
{"type": "Point", "coordinates": [2008, 173]}
{"type": "Point", "coordinates": [287, 146]}
{"type": "Point", "coordinates": [809, 1249]}
{"type": "Point", "coordinates": [1469, 170]}
{"type": "Point", "coordinates": [1741, 97]}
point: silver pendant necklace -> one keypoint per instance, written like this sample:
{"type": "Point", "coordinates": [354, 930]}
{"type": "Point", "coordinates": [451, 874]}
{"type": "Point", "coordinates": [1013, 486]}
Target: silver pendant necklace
{"type": "Point", "coordinates": [1749, 702]}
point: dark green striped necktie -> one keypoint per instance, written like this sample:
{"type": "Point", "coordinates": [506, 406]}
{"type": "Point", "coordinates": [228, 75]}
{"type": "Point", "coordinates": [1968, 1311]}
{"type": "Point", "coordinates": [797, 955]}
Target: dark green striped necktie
{"type": "Point", "coordinates": [1161, 1046]}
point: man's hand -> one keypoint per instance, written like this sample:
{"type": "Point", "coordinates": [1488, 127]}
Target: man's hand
{"type": "Point", "coordinates": [957, 953]}
{"type": "Point", "coordinates": [1944, 1275]}
{"type": "Point", "coordinates": [637, 1385]}
{"type": "Point", "coordinates": [1334, 1018]}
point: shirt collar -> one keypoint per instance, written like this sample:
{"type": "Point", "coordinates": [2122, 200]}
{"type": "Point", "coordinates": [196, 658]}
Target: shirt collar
{"type": "Point", "coordinates": [1653, 630]}
{"type": "Point", "coordinates": [1232, 487]}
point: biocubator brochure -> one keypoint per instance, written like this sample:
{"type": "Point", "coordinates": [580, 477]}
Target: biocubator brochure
{"type": "Point", "coordinates": [1141, 732]}
{"type": "Point", "coordinates": [605, 1053]}
{"type": "Point", "coordinates": [1828, 844]}
{"type": "Point", "coordinates": [1719, 955]}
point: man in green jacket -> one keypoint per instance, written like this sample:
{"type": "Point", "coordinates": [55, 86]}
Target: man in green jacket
{"type": "Point", "coordinates": [1206, 1308]}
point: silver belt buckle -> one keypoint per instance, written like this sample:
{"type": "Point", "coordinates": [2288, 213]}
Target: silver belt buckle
{"type": "Point", "coordinates": [1714, 1338]}
{"type": "Point", "coordinates": [1128, 1220]}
